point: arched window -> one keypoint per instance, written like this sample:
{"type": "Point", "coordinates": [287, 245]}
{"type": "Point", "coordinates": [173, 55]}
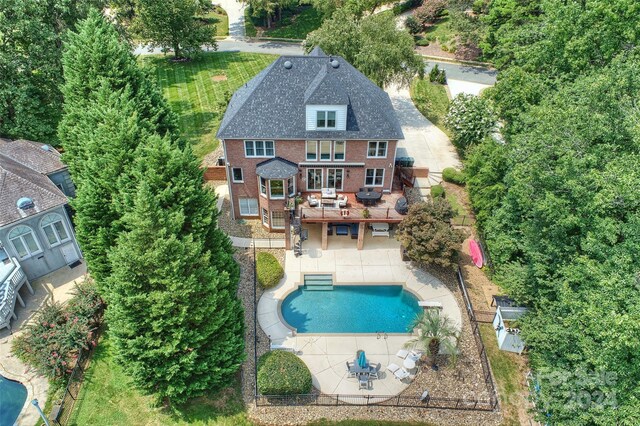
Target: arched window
{"type": "Point", "coordinates": [24, 241]}
{"type": "Point", "coordinates": [54, 229]}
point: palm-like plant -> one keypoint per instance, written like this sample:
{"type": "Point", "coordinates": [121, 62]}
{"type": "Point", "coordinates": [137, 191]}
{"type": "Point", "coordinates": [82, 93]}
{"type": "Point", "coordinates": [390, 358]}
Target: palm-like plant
{"type": "Point", "coordinates": [435, 331]}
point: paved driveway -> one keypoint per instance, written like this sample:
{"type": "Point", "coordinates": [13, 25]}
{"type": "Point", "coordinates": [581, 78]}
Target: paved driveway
{"type": "Point", "coordinates": [464, 78]}
{"type": "Point", "coordinates": [235, 12]}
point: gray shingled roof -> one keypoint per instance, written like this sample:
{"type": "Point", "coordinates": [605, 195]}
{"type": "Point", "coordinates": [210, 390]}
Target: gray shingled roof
{"type": "Point", "coordinates": [17, 181]}
{"type": "Point", "coordinates": [276, 168]}
{"type": "Point", "coordinates": [37, 156]}
{"type": "Point", "coordinates": [272, 105]}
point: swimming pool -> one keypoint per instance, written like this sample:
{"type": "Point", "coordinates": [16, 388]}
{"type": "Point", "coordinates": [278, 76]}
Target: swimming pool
{"type": "Point", "coordinates": [12, 398]}
{"type": "Point", "coordinates": [351, 309]}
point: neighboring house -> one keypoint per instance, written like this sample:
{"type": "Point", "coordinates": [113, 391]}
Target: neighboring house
{"type": "Point", "coordinates": [35, 228]}
{"type": "Point", "coordinates": [304, 124]}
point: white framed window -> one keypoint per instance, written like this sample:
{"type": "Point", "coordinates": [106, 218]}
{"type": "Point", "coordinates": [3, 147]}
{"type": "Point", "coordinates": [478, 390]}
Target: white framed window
{"type": "Point", "coordinates": [236, 175]}
{"type": "Point", "coordinates": [325, 120]}
{"type": "Point", "coordinates": [276, 189]}
{"type": "Point", "coordinates": [314, 179]}
{"type": "Point", "coordinates": [334, 178]}
{"type": "Point", "coordinates": [374, 177]}
{"type": "Point", "coordinates": [325, 150]}
{"type": "Point", "coordinates": [291, 186]}
{"type": "Point", "coordinates": [265, 217]}
{"type": "Point", "coordinates": [339, 150]}
{"type": "Point", "coordinates": [263, 186]}
{"type": "Point", "coordinates": [24, 242]}
{"type": "Point", "coordinates": [312, 150]}
{"type": "Point", "coordinates": [248, 206]}
{"type": "Point", "coordinates": [377, 149]}
{"type": "Point", "coordinates": [54, 230]}
{"type": "Point", "coordinates": [259, 149]}
{"type": "Point", "coordinates": [277, 219]}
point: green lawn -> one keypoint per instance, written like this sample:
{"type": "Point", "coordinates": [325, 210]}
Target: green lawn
{"type": "Point", "coordinates": [196, 96]}
{"type": "Point", "coordinates": [219, 18]}
{"type": "Point", "coordinates": [442, 32]}
{"type": "Point", "coordinates": [506, 373]}
{"type": "Point", "coordinates": [109, 398]}
{"type": "Point", "coordinates": [296, 24]}
{"type": "Point", "coordinates": [432, 101]}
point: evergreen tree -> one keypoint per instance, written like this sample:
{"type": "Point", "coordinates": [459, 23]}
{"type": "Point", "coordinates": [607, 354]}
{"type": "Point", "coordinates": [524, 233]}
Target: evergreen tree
{"type": "Point", "coordinates": [110, 105]}
{"type": "Point", "coordinates": [174, 315]}
{"type": "Point", "coordinates": [97, 56]}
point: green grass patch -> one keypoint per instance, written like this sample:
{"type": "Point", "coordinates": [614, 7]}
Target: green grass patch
{"type": "Point", "coordinates": [219, 18]}
{"type": "Point", "coordinates": [506, 373]}
{"type": "Point", "coordinates": [197, 90]}
{"type": "Point", "coordinates": [109, 398]}
{"type": "Point", "coordinates": [250, 29]}
{"type": "Point", "coordinates": [295, 23]}
{"type": "Point", "coordinates": [432, 101]}
{"type": "Point", "coordinates": [442, 32]}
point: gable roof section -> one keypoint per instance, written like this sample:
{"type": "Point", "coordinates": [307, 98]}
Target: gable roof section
{"type": "Point", "coordinates": [273, 104]}
{"type": "Point", "coordinates": [17, 181]}
{"type": "Point", "coordinates": [277, 168]}
{"type": "Point", "coordinates": [38, 156]}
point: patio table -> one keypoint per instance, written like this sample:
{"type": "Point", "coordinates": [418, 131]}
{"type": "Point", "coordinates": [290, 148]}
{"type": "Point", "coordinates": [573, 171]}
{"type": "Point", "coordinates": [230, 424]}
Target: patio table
{"type": "Point", "coordinates": [368, 197]}
{"type": "Point", "coordinates": [409, 363]}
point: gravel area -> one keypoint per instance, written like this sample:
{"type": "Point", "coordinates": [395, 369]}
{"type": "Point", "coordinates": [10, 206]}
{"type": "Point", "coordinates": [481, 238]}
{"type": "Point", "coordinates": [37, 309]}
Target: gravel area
{"type": "Point", "coordinates": [211, 159]}
{"type": "Point", "coordinates": [245, 228]}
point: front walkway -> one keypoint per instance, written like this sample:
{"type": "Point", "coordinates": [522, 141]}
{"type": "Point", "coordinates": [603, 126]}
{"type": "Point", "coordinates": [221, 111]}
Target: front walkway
{"type": "Point", "coordinates": [325, 355]}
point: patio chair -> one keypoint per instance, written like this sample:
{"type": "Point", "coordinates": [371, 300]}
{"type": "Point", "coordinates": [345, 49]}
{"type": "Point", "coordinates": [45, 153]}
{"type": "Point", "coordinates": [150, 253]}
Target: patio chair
{"type": "Point", "coordinates": [393, 368]}
{"type": "Point", "coordinates": [401, 374]}
{"type": "Point", "coordinates": [313, 201]}
{"type": "Point", "coordinates": [351, 370]}
{"type": "Point", "coordinates": [363, 382]}
{"type": "Point", "coordinates": [415, 355]}
{"type": "Point", "coordinates": [354, 231]}
{"type": "Point", "coordinates": [374, 371]}
{"type": "Point", "coordinates": [342, 200]}
{"type": "Point", "coordinates": [402, 353]}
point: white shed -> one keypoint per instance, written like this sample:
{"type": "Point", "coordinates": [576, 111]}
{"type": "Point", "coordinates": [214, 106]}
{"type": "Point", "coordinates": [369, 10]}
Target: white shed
{"type": "Point", "coordinates": [508, 336]}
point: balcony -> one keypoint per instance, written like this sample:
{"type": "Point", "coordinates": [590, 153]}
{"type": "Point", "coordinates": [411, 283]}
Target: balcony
{"type": "Point", "coordinates": [12, 278]}
{"type": "Point", "coordinates": [355, 212]}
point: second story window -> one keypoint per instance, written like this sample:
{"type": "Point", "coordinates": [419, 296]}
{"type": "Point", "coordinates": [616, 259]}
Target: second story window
{"type": "Point", "coordinates": [312, 151]}
{"type": "Point", "coordinates": [377, 149]}
{"type": "Point", "coordinates": [325, 150]}
{"type": "Point", "coordinates": [263, 186]}
{"type": "Point", "coordinates": [325, 120]}
{"type": "Point", "coordinates": [259, 149]}
{"type": "Point", "coordinates": [338, 150]}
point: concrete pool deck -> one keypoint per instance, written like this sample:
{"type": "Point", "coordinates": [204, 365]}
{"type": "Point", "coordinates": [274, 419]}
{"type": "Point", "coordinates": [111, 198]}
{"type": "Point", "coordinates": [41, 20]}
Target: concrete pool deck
{"type": "Point", "coordinates": [326, 354]}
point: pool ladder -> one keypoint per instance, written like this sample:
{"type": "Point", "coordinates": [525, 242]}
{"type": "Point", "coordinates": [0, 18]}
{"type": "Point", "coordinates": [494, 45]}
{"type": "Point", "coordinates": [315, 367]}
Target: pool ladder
{"type": "Point", "coordinates": [381, 334]}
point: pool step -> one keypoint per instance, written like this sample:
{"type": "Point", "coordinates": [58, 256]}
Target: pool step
{"type": "Point", "coordinates": [319, 282]}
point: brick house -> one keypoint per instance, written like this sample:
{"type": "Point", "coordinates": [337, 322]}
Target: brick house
{"type": "Point", "coordinates": [303, 124]}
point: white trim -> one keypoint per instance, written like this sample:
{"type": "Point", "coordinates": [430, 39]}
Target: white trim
{"type": "Point", "coordinates": [55, 231]}
{"type": "Point", "coordinates": [257, 206]}
{"type": "Point", "coordinates": [22, 241]}
{"type": "Point", "coordinates": [374, 176]}
{"type": "Point", "coordinates": [341, 178]}
{"type": "Point", "coordinates": [233, 178]}
{"type": "Point", "coordinates": [284, 189]}
{"type": "Point", "coordinates": [264, 146]}
{"type": "Point", "coordinates": [229, 186]}
{"type": "Point", "coordinates": [344, 151]}
{"type": "Point", "coordinates": [283, 219]}
{"type": "Point", "coordinates": [262, 212]}
{"type": "Point", "coordinates": [306, 150]}
{"type": "Point", "coordinates": [293, 179]}
{"type": "Point", "coordinates": [266, 187]}
{"type": "Point", "coordinates": [307, 178]}
{"type": "Point", "coordinates": [341, 164]}
{"type": "Point", "coordinates": [386, 149]}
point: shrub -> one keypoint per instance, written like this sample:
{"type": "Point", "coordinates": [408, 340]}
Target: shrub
{"type": "Point", "coordinates": [268, 270]}
{"type": "Point", "coordinates": [423, 41]}
{"type": "Point", "coordinates": [283, 373]}
{"type": "Point", "coordinates": [430, 11]}
{"type": "Point", "coordinates": [437, 191]}
{"type": "Point", "coordinates": [437, 75]}
{"type": "Point", "coordinates": [454, 176]}
{"type": "Point", "coordinates": [51, 342]}
{"type": "Point", "coordinates": [412, 24]}
{"type": "Point", "coordinates": [470, 119]}
{"type": "Point", "coordinates": [478, 7]}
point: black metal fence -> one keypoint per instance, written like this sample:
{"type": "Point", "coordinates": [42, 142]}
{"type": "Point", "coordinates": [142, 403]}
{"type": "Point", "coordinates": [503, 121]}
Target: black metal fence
{"type": "Point", "coordinates": [61, 411]}
{"type": "Point", "coordinates": [475, 330]}
{"type": "Point", "coordinates": [434, 402]}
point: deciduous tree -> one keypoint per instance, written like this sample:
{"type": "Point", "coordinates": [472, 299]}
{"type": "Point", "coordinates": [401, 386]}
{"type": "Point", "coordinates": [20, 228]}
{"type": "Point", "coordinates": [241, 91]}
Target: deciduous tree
{"type": "Point", "coordinates": [427, 234]}
{"type": "Point", "coordinates": [471, 119]}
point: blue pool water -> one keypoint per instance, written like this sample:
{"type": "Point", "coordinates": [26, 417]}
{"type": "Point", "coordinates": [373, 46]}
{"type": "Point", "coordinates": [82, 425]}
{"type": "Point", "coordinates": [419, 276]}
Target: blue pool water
{"type": "Point", "coordinates": [351, 309]}
{"type": "Point", "coordinates": [12, 397]}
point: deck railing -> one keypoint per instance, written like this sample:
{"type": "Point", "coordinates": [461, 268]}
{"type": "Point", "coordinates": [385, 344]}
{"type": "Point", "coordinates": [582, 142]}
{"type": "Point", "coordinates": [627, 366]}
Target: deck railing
{"type": "Point", "coordinates": [350, 213]}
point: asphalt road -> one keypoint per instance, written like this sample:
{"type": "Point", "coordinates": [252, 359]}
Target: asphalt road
{"type": "Point", "coordinates": [465, 72]}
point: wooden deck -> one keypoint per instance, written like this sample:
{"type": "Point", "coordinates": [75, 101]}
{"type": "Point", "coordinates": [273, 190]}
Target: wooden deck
{"type": "Point", "coordinates": [384, 211]}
